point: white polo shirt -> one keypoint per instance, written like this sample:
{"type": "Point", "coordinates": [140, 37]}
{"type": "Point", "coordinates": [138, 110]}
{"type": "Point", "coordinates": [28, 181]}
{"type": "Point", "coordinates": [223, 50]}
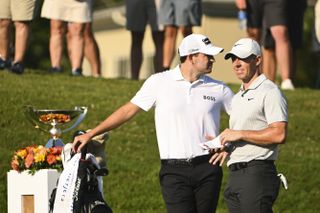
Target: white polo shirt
{"type": "Point", "coordinates": [254, 109]}
{"type": "Point", "coordinates": [185, 113]}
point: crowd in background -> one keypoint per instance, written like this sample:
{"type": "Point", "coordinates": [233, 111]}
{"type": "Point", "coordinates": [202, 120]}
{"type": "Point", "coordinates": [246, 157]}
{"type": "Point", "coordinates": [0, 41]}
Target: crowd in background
{"type": "Point", "coordinates": [280, 32]}
{"type": "Point", "coordinates": [69, 20]}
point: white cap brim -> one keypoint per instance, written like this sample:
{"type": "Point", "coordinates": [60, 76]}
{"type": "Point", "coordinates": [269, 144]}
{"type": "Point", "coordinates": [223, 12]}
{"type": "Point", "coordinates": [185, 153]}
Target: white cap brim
{"type": "Point", "coordinates": [213, 50]}
{"type": "Point", "coordinates": [244, 48]}
{"type": "Point", "coordinates": [238, 54]}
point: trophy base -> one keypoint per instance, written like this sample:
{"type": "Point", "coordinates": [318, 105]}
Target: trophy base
{"type": "Point", "coordinates": [54, 142]}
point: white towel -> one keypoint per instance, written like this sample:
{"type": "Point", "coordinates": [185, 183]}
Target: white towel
{"type": "Point", "coordinates": [64, 196]}
{"type": "Point", "coordinates": [66, 185]}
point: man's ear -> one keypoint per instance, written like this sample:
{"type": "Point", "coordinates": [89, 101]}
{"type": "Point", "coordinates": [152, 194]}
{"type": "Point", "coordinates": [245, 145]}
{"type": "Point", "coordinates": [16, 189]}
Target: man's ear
{"type": "Point", "coordinates": [190, 58]}
{"type": "Point", "coordinates": [258, 60]}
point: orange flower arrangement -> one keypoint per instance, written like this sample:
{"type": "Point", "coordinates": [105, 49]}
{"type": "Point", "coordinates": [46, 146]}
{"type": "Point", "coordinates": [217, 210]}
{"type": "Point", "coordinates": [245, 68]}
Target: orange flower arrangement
{"type": "Point", "coordinates": [34, 158]}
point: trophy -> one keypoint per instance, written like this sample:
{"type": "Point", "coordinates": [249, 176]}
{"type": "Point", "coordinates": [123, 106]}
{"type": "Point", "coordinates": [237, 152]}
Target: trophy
{"type": "Point", "coordinates": [55, 121]}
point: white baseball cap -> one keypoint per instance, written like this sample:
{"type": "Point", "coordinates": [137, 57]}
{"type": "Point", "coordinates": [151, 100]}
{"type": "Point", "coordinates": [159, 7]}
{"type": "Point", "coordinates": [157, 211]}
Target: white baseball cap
{"type": "Point", "coordinates": [244, 48]}
{"type": "Point", "coordinates": [197, 43]}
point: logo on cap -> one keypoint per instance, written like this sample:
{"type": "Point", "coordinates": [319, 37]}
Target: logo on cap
{"type": "Point", "coordinates": [193, 50]}
{"type": "Point", "coordinates": [206, 41]}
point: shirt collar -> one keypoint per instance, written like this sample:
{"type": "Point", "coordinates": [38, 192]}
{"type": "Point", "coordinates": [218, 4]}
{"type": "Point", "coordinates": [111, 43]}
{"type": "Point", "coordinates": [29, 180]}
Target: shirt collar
{"type": "Point", "coordinates": [176, 73]}
{"type": "Point", "coordinates": [256, 83]}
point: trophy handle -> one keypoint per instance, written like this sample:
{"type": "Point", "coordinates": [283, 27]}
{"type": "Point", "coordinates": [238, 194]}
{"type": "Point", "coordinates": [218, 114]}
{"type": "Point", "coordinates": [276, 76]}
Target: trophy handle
{"type": "Point", "coordinates": [80, 118]}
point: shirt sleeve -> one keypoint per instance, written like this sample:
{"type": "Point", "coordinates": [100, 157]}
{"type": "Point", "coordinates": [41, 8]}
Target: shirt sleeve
{"type": "Point", "coordinates": [275, 106]}
{"type": "Point", "coordinates": [145, 98]}
{"type": "Point", "coordinates": [227, 98]}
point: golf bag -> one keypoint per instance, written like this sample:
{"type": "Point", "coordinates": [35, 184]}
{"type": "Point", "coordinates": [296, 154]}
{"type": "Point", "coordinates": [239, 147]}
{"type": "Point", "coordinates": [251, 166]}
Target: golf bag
{"type": "Point", "coordinates": [87, 194]}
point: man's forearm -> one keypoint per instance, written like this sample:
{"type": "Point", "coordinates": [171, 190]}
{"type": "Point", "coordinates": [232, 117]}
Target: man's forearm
{"type": "Point", "coordinates": [116, 119]}
{"type": "Point", "coordinates": [275, 133]}
{"type": "Point", "coordinates": [270, 135]}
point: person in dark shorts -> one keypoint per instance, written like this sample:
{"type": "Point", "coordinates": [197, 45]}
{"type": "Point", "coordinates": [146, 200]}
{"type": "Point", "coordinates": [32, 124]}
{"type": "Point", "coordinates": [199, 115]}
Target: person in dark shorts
{"type": "Point", "coordinates": [274, 14]}
{"type": "Point", "coordinates": [139, 13]}
{"type": "Point", "coordinates": [295, 13]}
{"type": "Point", "coordinates": [177, 15]}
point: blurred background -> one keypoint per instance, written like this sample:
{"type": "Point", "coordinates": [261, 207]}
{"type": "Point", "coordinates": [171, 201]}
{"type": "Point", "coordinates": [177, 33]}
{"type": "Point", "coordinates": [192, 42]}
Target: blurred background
{"type": "Point", "coordinates": [219, 23]}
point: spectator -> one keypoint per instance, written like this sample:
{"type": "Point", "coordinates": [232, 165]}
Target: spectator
{"type": "Point", "coordinates": [91, 50]}
{"type": "Point", "coordinates": [21, 14]}
{"type": "Point", "coordinates": [187, 109]}
{"type": "Point", "coordinates": [296, 11]}
{"type": "Point", "coordinates": [69, 14]}
{"type": "Point", "coordinates": [258, 124]}
{"type": "Point", "coordinates": [138, 14]}
{"type": "Point", "coordinates": [274, 14]}
{"type": "Point", "coordinates": [177, 15]}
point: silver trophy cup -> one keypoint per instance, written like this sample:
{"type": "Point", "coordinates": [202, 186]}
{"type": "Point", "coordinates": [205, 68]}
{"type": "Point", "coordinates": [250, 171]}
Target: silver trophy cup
{"type": "Point", "coordinates": [55, 121]}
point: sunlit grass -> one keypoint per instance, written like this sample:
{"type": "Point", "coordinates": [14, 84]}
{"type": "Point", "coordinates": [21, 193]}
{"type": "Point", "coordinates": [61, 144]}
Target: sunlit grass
{"type": "Point", "coordinates": [133, 160]}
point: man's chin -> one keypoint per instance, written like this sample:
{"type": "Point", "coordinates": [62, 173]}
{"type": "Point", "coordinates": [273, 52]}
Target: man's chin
{"type": "Point", "coordinates": [208, 71]}
{"type": "Point", "coordinates": [240, 76]}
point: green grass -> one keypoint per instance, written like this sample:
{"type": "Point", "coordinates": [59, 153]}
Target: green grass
{"type": "Point", "coordinates": [133, 160]}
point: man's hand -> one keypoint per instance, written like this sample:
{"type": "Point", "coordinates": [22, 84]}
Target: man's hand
{"type": "Point", "coordinates": [241, 4]}
{"type": "Point", "coordinates": [229, 135]}
{"type": "Point", "coordinates": [80, 141]}
{"type": "Point", "coordinates": [218, 156]}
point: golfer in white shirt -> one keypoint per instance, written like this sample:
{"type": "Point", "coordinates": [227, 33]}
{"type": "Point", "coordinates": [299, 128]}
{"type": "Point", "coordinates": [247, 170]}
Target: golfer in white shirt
{"type": "Point", "coordinates": [187, 105]}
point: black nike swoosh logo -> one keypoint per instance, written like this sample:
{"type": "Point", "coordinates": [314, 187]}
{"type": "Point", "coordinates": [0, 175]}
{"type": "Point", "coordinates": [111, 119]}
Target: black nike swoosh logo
{"type": "Point", "coordinates": [249, 99]}
{"type": "Point", "coordinates": [237, 45]}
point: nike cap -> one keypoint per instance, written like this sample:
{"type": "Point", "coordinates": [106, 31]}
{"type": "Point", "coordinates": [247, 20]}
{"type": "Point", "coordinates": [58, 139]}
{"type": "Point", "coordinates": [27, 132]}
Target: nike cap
{"type": "Point", "coordinates": [244, 48]}
{"type": "Point", "coordinates": [197, 43]}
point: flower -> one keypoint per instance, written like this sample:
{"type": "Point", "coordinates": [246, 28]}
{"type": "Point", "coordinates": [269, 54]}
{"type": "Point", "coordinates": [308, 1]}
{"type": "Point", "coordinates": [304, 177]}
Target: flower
{"type": "Point", "coordinates": [51, 159]}
{"type": "Point", "coordinates": [34, 158]}
{"type": "Point", "coordinates": [22, 153]}
{"type": "Point", "coordinates": [15, 164]}
{"type": "Point", "coordinates": [29, 160]}
{"type": "Point", "coordinates": [39, 157]}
